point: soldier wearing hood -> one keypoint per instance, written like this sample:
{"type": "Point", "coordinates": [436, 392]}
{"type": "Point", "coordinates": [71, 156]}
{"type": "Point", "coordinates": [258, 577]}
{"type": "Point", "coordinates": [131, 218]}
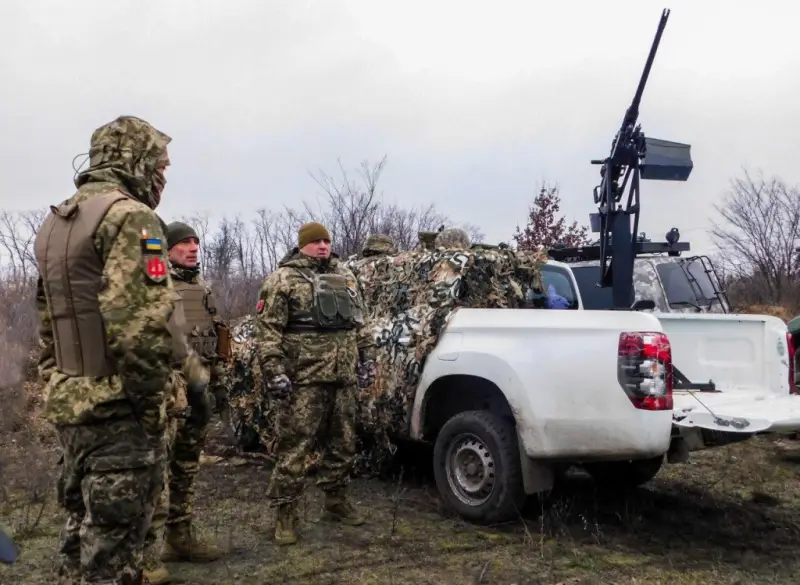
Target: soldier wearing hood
{"type": "Point", "coordinates": [313, 350]}
{"type": "Point", "coordinates": [207, 336]}
{"type": "Point", "coordinates": [104, 300]}
{"type": "Point", "coordinates": [377, 245]}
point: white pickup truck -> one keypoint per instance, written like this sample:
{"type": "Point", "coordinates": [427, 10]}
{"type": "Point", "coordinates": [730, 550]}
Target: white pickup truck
{"type": "Point", "coordinates": [734, 372]}
{"type": "Point", "coordinates": [509, 395]}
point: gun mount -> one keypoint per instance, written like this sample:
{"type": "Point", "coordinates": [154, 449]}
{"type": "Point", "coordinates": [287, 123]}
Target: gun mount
{"type": "Point", "coordinates": [636, 157]}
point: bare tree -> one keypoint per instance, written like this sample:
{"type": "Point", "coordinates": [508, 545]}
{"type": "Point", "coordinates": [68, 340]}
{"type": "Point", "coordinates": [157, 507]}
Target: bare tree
{"type": "Point", "coordinates": [758, 236]}
{"type": "Point", "coordinates": [17, 233]}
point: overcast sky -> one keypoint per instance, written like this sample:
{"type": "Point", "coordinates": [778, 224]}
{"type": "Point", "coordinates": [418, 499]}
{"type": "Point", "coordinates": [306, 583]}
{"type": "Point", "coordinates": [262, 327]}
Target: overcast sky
{"type": "Point", "coordinates": [472, 102]}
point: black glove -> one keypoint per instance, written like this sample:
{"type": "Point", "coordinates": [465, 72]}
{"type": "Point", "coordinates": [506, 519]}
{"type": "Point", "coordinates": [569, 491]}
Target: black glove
{"type": "Point", "coordinates": [221, 401]}
{"type": "Point", "coordinates": [280, 386]}
{"type": "Point", "coordinates": [201, 403]}
{"type": "Point", "coordinates": [365, 373]}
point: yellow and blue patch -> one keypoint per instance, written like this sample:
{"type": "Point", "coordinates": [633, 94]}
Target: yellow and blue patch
{"type": "Point", "coordinates": [152, 246]}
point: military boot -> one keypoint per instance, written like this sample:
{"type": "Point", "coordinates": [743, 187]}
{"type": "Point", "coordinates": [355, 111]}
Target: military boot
{"type": "Point", "coordinates": [339, 509]}
{"type": "Point", "coordinates": [154, 570]}
{"type": "Point", "coordinates": [182, 544]}
{"type": "Point", "coordinates": [158, 576]}
{"type": "Point", "coordinates": [286, 524]}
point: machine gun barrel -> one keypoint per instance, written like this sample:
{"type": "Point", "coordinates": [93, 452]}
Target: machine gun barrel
{"type": "Point", "coordinates": [633, 110]}
{"type": "Point", "coordinates": [628, 147]}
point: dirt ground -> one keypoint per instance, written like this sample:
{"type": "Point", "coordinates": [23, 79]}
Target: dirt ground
{"type": "Point", "coordinates": [732, 515]}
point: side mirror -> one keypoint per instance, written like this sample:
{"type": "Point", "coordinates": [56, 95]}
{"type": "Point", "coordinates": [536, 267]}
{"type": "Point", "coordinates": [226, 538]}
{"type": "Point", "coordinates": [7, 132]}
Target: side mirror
{"type": "Point", "coordinates": [643, 305]}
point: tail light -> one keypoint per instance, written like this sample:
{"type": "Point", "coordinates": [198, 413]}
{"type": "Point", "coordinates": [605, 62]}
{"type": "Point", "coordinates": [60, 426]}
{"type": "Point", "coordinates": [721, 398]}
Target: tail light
{"type": "Point", "coordinates": [644, 369]}
{"type": "Point", "coordinates": [790, 346]}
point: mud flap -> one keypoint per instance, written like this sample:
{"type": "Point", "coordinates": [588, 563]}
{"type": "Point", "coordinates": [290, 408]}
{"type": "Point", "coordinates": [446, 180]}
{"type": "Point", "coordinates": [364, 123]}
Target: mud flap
{"type": "Point", "coordinates": [536, 478]}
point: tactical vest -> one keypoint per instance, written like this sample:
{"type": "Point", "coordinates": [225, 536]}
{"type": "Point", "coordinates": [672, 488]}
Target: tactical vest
{"type": "Point", "coordinates": [71, 272]}
{"type": "Point", "coordinates": [177, 327]}
{"type": "Point", "coordinates": [199, 310]}
{"type": "Point", "coordinates": [335, 305]}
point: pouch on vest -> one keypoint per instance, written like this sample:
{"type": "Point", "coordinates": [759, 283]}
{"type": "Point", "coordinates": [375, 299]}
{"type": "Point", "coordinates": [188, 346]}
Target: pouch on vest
{"type": "Point", "coordinates": [335, 303]}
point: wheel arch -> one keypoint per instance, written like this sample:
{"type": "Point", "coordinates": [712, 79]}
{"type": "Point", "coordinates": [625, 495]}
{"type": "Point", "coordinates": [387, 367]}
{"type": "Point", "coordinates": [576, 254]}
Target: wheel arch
{"type": "Point", "coordinates": [456, 393]}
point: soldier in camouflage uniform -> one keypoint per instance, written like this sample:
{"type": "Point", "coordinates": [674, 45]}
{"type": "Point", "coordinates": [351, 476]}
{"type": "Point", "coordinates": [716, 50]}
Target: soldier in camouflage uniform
{"type": "Point", "coordinates": [378, 244]}
{"type": "Point", "coordinates": [207, 336]}
{"type": "Point", "coordinates": [313, 350]}
{"type": "Point", "coordinates": [104, 299]}
{"type": "Point", "coordinates": [452, 238]}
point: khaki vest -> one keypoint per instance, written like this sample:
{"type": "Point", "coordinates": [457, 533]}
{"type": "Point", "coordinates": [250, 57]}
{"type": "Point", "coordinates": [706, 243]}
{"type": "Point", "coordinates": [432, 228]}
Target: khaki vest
{"type": "Point", "coordinates": [335, 306]}
{"type": "Point", "coordinates": [199, 310]}
{"type": "Point", "coordinates": [177, 327]}
{"type": "Point", "coordinates": [71, 272]}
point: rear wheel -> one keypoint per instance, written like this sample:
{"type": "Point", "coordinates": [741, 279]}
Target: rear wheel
{"type": "Point", "coordinates": [477, 467]}
{"type": "Point", "coordinates": [624, 474]}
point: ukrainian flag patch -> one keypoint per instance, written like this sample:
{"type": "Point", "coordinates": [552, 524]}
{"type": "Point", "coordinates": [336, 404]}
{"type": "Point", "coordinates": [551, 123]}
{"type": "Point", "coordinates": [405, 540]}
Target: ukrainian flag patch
{"type": "Point", "coordinates": [151, 246]}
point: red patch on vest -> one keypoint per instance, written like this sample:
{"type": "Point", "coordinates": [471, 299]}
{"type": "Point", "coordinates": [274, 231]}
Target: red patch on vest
{"type": "Point", "coordinates": [260, 305]}
{"type": "Point", "coordinates": [156, 269]}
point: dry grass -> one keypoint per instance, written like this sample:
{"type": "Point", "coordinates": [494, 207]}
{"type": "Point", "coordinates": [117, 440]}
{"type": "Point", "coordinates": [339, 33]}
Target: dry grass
{"type": "Point", "coordinates": [730, 516]}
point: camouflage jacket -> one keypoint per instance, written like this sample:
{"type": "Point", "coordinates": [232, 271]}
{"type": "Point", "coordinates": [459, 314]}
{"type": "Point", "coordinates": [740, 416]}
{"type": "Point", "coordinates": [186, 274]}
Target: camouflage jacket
{"type": "Point", "coordinates": [310, 357]}
{"type": "Point", "coordinates": [216, 365]}
{"type": "Point", "coordinates": [135, 307]}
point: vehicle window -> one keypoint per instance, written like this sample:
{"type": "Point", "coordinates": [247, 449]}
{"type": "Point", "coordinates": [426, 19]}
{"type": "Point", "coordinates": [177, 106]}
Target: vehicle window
{"type": "Point", "coordinates": [677, 285]}
{"type": "Point", "coordinates": [698, 272]}
{"type": "Point", "coordinates": [594, 298]}
{"type": "Point", "coordinates": [558, 288]}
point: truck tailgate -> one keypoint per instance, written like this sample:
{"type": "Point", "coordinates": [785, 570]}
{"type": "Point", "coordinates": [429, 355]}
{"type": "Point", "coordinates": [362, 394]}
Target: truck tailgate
{"type": "Point", "coordinates": [737, 412]}
{"type": "Point", "coordinates": [747, 358]}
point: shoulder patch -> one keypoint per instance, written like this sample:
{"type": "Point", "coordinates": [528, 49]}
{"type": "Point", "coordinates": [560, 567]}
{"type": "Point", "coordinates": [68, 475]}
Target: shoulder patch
{"type": "Point", "coordinates": [260, 306]}
{"type": "Point", "coordinates": [155, 268]}
{"type": "Point", "coordinates": [150, 245]}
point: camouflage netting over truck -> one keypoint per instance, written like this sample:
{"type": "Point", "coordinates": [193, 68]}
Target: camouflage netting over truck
{"type": "Point", "coordinates": [409, 296]}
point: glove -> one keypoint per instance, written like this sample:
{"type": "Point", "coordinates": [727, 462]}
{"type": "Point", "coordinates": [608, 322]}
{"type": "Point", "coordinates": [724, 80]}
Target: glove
{"type": "Point", "coordinates": [365, 373]}
{"type": "Point", "coordinates": [280, 385]}
{"type": "Point", "coordinates": [220, 399]}
{"type": "Point", "coordinates": [197, 378]}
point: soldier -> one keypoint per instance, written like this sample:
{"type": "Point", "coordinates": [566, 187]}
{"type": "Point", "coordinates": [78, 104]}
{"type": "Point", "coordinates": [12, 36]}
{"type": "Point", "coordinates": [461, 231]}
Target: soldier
{"type": "Point", "coordinates": [207, 336]}
{"type": "Point", "coordinates": [104, 299]}
{"type": "Point", "coordinates": [377, 245]}
{"type": "Point", "coordinates": [313, 350]}
{"type": "Point", "coordinates": [451, 238]}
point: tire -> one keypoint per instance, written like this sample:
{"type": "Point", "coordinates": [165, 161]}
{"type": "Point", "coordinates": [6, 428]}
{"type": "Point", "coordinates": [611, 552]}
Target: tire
{"type": "Point", "coordinates": [480, 438]}
{"type": "Point", "coordinates": [624, 474]}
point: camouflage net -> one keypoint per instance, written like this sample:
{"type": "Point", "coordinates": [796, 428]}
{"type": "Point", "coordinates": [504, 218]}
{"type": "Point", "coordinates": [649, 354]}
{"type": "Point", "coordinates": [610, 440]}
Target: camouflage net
{"type": "Point", "coordinates": [409, 297]}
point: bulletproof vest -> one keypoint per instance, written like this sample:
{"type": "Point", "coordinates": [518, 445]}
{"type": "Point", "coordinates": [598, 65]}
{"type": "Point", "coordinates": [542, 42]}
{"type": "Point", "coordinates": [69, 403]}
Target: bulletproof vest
{"type": "Point", "coordinates": [334, 304]}
{"type": "Point", "coordinates": [177, 327]}
{"type": "Point", "coordinates": [71, 272]}
{"type": "Point", "coordinates": [199, 310]}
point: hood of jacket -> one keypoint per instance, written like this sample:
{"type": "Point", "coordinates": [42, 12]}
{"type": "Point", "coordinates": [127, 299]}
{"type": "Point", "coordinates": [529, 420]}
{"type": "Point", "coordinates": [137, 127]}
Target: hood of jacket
{"type": "Point", "coordinates": [127, 152]}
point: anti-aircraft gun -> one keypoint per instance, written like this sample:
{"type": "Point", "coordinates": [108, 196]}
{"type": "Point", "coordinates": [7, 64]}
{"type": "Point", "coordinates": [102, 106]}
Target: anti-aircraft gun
{"type": "Point", "coordinates": [634, 156]}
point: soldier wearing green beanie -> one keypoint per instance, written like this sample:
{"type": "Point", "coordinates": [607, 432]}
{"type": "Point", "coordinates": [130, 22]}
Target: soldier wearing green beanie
{"type": "Point", "coordinates": [207, 336]}
{"type": "Point", "coordinates": [314, 351]}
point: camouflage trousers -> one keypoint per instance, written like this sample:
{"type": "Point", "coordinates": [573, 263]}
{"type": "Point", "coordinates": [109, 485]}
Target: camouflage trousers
{"type": "Point", "coordinates": [175, 499]}
{"type": "Point", "coordinates": [323, 413]}
{"type": "Point", "coordinates": [110, 475]}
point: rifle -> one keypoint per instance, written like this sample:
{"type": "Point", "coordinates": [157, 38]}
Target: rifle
{"type": "Point", "coordinates": [637, 157]}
